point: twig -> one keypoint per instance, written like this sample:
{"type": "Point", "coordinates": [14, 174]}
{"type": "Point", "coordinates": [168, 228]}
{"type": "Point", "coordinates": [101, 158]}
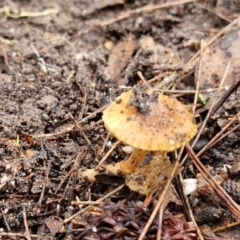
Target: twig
{"type": "Point", "coordinates": [227, 226]}
{"type": "Point", "coordinates": [198, 79]}
{"type": "Point", "coordinates": [79, 128]}
{"type": "Point", "coordinates": [216, 139]}
{"type": "Point", "coordinates": [5, 220]}
{"type": "Point", "coordinates": [83, 107]}
{"type": "Point", "coordinates": [64, 179]}
{"type": "Point", "coordinates": [157, 78]}
{"type": "Point", "coordinates": [104, 144]}
{"type": "Point", "coordinates": [217, 136]}
{"type": "Point", "coordinates": [28, 236]}
{"type": "Point", "coordinates": [160, 221]}
{"type": "Point", "coordinates": [226, 199]}
{"type": "Point", "coordinates": [85, 203]}
{"type": "Point", "coordinates": [226, 134]}
{"type": "Point", "coordinates": [45, 182]}
{"type": "Point", "coordinates": [107, 154]}
{"type": "Point", "coordinates": [16, 235]}
{"type": "Point", "coordinates": [51, 135]}
{"type": "Point", "coordinates": [99, 200]}
{"type": "Point", "coordinates": [4, 56]}
{"type": "Point", "coordinates": [179, 91]}
{"type": "Point", "coordinates": [225, 96]}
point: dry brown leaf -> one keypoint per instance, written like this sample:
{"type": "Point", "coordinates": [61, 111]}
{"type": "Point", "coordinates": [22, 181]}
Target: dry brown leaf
{"type": "Point", "coordinates": [215, 60]}
{"type": "Point", "coordinates": [54, 225]}
{"type": "Point", "coordinates": [119, 59]}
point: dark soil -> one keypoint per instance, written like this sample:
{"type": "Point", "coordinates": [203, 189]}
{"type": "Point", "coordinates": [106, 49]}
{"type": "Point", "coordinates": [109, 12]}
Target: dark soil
{"type": "Point", "coordinates": [57, 73]}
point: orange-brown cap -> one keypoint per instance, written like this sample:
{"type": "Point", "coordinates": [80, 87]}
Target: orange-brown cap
{"type": "Point", "coordinates": [164, 125]}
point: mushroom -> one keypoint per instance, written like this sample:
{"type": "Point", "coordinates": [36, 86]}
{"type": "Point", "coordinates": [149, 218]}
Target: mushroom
{"type": "Point", "coordinates": [147, 121]}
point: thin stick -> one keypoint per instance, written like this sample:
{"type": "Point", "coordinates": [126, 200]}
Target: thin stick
{"type": "Point", "coordinates": [160, 220]}
{"type": "Point", "coordinates": [227, 226]}
{"type": "Point", "coordinates": [5, 220]}
{"type": "Point", "coordinates": [104, 144]}
{"type": "Point", "coordinates": [84, 102]}
{"type": "Point", "coordinates": [225, 96]}
{"type": "Point", "coordinates": [28, 236]}
{"type": "Point", "coordinates": [226, 199]}
{"type": "Point", "coordinates": [99, 200]}
{"type": "Point", "coordinates": [224, 135]}
{"type": "Point", "coordinates": [179, 91]}
{"type": "Point", "coordinates": [198, 80]}
{"type": "Point", "coordinates": [157, 78]}
{"type": "Point", "coordinates": [45, 182]}
{"type": "Point", "coordinates": [145, 82]}
{"type": "Point", "coordinates": [4, 56]}
{"type": "Point", "coordinates": [107, 154]}
{"type": "Point", "coordinates": [16, 235]}
{"type": "Point", "coordinates": [79, 128]}
{"type": "Point", "coordinates": [85, 203]}
{"type": "Point", "coordinates": [216, 138]}
{"type": "Point", "coordinates": [64, 179]}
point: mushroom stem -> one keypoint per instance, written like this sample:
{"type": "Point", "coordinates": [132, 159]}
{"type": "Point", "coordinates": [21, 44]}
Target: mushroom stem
{"type": "Point", "coordinates": [128, 165]}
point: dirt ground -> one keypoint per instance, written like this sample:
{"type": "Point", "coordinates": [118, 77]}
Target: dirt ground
{"type": "Point", "coordinates": [61, 63]}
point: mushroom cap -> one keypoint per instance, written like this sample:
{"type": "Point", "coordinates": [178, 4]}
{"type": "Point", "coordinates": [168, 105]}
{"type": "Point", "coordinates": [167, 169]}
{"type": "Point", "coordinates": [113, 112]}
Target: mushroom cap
{"type": "Point", "coordinates": [167, 126]}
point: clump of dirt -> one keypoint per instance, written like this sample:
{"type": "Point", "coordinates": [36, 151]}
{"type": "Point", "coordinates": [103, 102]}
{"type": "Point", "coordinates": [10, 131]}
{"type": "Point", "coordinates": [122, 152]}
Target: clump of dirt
{"type": "Point", "coordinates": [142, 99]}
